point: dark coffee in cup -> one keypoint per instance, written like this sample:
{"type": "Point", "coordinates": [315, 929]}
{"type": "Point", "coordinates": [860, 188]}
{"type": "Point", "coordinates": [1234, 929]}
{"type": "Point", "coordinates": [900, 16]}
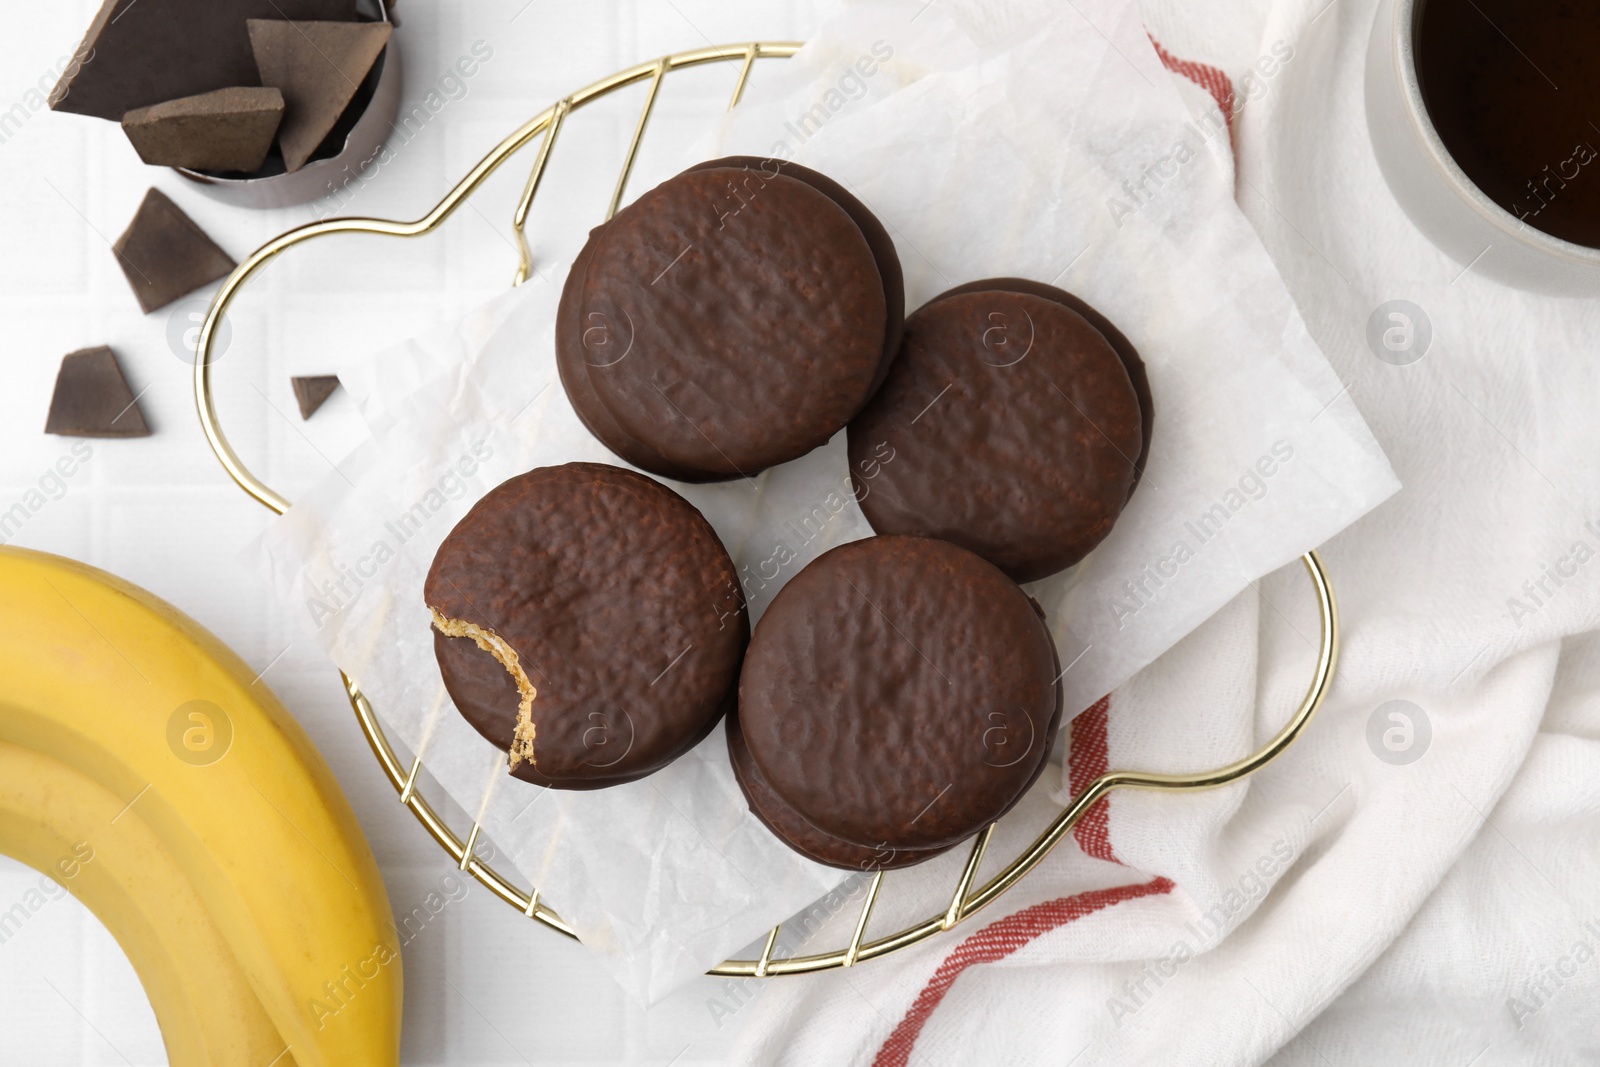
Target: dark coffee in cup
{"type": "Point", "coordinates": [1513, 87]}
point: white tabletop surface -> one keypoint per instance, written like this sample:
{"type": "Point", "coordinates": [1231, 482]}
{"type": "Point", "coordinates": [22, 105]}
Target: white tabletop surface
{"type": "Point", "coordinates": [483, 985]}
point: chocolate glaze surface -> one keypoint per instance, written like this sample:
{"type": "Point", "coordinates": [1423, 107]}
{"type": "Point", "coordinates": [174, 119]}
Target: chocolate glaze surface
{"type": "Point", "coordinates": [1017, 430]}
{"type": "Point", "coordinates": [726, 321]}
{"type": "Point", "coordinates": [1131, 361]}
{"type": "Point", "coordinates": [622, 606]}
{"type": "Point", "coordinates": [792, 828]}
{"type": "Point", "coordinates": [899, 692]}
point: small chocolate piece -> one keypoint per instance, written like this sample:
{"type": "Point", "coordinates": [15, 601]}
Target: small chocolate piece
{"type": "Point", "coordinates": [165, 254]}
{"type": "Point", "coordinates": [92, 398]}
{"type": "Point", "coordinates": [1016, 426]}
{"type": "Point", "coordinates": [609, 601]}
{"type": "Point", "coordinates": [318, 66]}
{"type": "Point", "coordinates": [141, 52]}
{"type": "Point", "coordinates": [311, 393]}
{"type": "Point", "coordinates": [726, 321]}
{"type": "Point", "coordinates": [223, 130]}
{"type": "Point", "coordinates": [900, 692]}
{"type": "Point", "coordinates": [788, 826]}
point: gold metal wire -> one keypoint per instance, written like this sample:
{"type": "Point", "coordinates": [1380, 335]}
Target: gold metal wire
{"type": "Point", "coordinates": [964, 900]}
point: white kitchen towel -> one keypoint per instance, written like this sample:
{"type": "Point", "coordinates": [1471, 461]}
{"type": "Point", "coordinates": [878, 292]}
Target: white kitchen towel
{"type": "Point", "coordinates": [1413, 881]}
{"type": "Point", "coordinates": [988, 149]}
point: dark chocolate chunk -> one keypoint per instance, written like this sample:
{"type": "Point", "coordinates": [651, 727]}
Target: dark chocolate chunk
{"type": "Point", "coordinates": [609, 600]}
{"type": "Point", "coordinates": [92, 398]}
{"type": "Point", "coordinates": [141, 52]}
{"type": "Point", "coordinates": [726, 321]}
{"type": "Point", "coordinates": [223, 130]}
{"type": "Point", "coordinates": [790, 827]}
{"type": "Point", "coordinates": [900, 692]}
{"type": "Point", "coordinates": [311, 393]}
{"type": "Point", "coordinates": [1016, 428]}
{"type": "Point", "coordinates": [165, 254]}
{"type": "Point", "coordinates": [318, 66]}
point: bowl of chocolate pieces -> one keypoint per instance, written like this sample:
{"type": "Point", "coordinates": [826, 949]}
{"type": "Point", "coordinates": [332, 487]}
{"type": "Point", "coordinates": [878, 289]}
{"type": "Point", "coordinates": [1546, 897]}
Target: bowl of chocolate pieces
{"type": "Point", "coordinates": [260, 103]}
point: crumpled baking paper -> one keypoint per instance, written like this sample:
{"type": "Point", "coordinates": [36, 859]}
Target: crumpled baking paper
{"type": "Point", "coordinates": [1027, 139]}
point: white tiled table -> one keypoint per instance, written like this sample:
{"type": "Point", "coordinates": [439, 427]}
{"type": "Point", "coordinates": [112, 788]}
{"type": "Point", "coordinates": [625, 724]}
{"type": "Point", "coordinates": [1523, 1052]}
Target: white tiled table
{"type": "Point", "coordinates": [482, 985]}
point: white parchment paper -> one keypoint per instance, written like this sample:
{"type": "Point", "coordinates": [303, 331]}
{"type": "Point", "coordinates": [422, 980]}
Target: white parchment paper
{"type": "Point", "coordinates": [1040, 140]}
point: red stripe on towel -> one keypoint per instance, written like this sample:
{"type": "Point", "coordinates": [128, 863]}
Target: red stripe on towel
{"type": "Point", "coordinates": [1209, 78]}
{"type": "Point", "coordinates": [1087, 760]}
{"type": "Point", "coordinates": [996, 941]}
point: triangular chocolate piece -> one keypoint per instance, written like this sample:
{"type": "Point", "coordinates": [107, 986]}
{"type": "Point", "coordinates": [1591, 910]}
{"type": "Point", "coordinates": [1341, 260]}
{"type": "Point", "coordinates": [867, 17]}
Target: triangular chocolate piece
{"type": "Point", "coordinates": [92, 398]}
{"type": "Point", "coordinates": [310, 393]}
{"type": "Point", "coordinates": [223, 130]}
{"type": "Point", "coordinates": [165, 255]}
{"type": "Point", "coordinates": [318, 66]}
{"type": "Point", "coordinates": [141, 52]}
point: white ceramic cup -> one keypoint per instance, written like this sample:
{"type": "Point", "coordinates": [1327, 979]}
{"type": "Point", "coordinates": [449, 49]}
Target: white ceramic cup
{"type": "Point", "coordinates": [1437, 194]}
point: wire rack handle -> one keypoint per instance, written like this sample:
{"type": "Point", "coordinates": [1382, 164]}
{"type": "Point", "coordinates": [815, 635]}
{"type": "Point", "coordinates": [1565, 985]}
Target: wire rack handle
{"type": "Point", "coordinates": [964, 900]}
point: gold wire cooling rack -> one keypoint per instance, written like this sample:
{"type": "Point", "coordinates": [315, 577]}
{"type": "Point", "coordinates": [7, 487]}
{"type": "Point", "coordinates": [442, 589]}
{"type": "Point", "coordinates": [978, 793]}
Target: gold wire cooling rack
{"type": "Point", "coordinates": [964, 899]}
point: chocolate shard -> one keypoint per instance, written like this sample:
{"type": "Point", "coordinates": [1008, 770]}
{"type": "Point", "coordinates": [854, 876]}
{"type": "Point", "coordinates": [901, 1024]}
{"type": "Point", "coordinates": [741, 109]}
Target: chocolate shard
{"type": "Point", "coordinates": [165, 255]}
{"type": "Point", "coordinates": [310, 393]}
{"type": "Point", "coordinates": [92, 398]}
{"type": "Point", "coordinates": [318, 66]}
{"type": "Point", "coordinates": [141, 52]}
{"type": "Point", "coordinates": [223, 130]}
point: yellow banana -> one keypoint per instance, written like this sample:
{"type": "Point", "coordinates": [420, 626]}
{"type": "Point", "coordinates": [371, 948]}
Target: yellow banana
{"type": "Point", "coordinates": [60, 823]}
{"type": "Point", "coordinates": [124, 688]}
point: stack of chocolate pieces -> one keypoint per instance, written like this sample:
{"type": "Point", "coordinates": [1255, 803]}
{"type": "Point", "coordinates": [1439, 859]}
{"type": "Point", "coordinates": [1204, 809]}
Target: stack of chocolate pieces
{"type": "Point", "coordinates": [216, 85]}
{"type": "Point", "coordinates": [901, 692]}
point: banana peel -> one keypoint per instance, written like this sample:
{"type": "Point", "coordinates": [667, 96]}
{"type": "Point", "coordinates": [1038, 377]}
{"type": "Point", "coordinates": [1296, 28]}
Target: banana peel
{"type": "Point", "coordinates": [128, 692]}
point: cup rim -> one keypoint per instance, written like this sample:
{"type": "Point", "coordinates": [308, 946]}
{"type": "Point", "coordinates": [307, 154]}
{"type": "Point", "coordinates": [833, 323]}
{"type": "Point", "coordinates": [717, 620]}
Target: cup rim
{"type": "Point", "coordinates": [1406, 17]}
